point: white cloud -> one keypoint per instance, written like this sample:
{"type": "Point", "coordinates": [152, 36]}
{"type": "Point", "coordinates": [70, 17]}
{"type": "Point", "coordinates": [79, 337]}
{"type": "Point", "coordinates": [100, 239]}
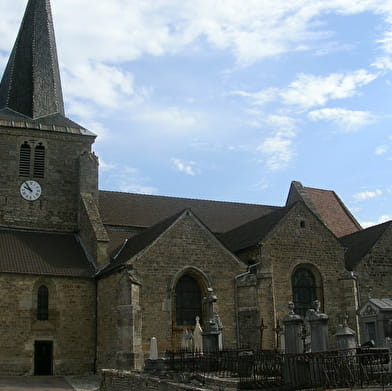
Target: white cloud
{"type": "Point", "coordinates": [281, 125]}
{"type": "Point", "coordinates": [383, 63]}
{"type": "Point", "coordinates": [278, 152]}
{"type": "Point", "coordinates": [103, 166]}
{"type": "Point", "coordinates": [105, 86]}
{"type": "Point", "coordinates": [309, 90]}
{"type": "Point", "coordinates": [381, 150]}
{"type": "Point", "coordinates": [261, 97]}
{"type": "Point", "coordinates": [186, 167]}
{"type": "Point", "coordinates": [365, 195]}
{"type": "Point", "coordinates": [132, 187]}
{"type": "Point", "coordinates": [171, 117]}
{"type": "Point", "coordinates": [127, 179]}
{"type": "Point", "coordinates": [380, 220]}
{"type": "Point", "coordinates": [347, 119]}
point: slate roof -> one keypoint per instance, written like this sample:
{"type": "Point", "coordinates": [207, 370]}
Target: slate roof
{"type": "Point", "coordinates": [360, 243]}
{"type": "Point", "coordinates": [253, 232]}
{"type": "Point", "coordinates": [31, 85]}
{"type": "Point", "coordinates": [29, 252]}
{"type": "Point", "coordinates": [140, 210]}
{"type": "Point", "coordinates": [383, 304]}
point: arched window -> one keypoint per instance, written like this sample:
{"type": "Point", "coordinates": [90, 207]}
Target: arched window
{"type": "Point", "coordinates": [24, 160]}
{"type": "Point", "coordinates": [306, 289]}
{"type": "Point", "coordinates": [43, 303]}
{"type": "Point", "coordinates": [39, 161]}
{"type": "Point", "coordinates": [188, 301]}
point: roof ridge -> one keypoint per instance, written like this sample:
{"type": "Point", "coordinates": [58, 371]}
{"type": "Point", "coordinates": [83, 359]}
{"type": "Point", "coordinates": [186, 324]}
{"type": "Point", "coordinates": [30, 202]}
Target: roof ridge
{"type": "Point", "coordinates": [191, 199]}
{"type": "Point", "coordinates": [363, 231]}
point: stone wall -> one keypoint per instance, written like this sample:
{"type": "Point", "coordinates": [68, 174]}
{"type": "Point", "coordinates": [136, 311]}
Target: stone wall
{"type": "Point", "coordinates": [302, 239]}
{"type": "Point", "coordinates": [119, 322]}
{"type": "Point", "coordinates": [186, 247]}
{"type": "Point", "coordinates": [375, 270]}
{"type": "Point", "coordinates": [113, 380]}
{"type": "Point", "coordinates": [70, 325]}
{"type": "Point", "coordinates": [57, 208]}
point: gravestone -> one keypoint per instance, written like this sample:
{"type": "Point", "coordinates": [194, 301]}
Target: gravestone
{"type": "Point", "coordinates": [318, 324]}
{"type": "Point", "coordinates": [211, 332]}
{"type": "Point", "coordinates": [198, 337]}
{"type": "Point", "coordinates": [375, 318]}
{"type": "Point", "coordinates": [345, 336]}
{"type": "Point", "coordinates": [154, 365]}
{"type": "Point", "coordinates": [292, 331]}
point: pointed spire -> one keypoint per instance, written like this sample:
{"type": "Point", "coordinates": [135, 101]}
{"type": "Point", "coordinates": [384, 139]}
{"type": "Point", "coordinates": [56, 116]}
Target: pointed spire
{"type": "Point", "coordinates": [31, 82]}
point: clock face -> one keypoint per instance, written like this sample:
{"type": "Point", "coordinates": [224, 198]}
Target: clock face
{"type": "Point", "coordinates": [30, 190]}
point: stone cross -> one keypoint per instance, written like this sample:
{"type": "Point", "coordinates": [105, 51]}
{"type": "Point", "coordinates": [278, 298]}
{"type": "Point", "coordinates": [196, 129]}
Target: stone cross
{"type": "Point", "coordinates": [278, 331]}
{"type": "Point", "coordinates": [262, 328]}
{"type": "Point", "coordinates": [210, 299]}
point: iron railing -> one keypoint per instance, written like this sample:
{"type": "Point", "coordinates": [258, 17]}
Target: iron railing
{"type": "Point", "coordinates": [275, 370]}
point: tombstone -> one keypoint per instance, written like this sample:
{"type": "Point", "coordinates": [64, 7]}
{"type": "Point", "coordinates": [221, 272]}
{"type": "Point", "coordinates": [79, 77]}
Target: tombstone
{"type": "Point", "coordinates": [153, 349]}
{"type": "Point", "coordinates": [187, 339]}
{"type": "Point", "coordinates": [154, 365]}
{"type": "Point", "coordinates": [198, 337]}
{"type": "Point", "coordinates": [211, 332]}
{"type": "Point", "coordinates": [318, 323]}
{"type": "Point", "coordinates": [292, 331]}
{"type": "Point", "coordinates": [219, 323]}
{"type": "Point", "coordinates": [375, 320]}
{"type": "Point", "coordinates": [345, 336]}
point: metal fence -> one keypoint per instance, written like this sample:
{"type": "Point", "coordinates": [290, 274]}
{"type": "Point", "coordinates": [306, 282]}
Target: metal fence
{"type": "Point", "coordinates": [275, 370]}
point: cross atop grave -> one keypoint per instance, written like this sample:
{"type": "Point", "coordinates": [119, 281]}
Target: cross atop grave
{"type": "Point", "coordinates": [278, 331]}
{"type": "Point", "coordinates": [262, 327]}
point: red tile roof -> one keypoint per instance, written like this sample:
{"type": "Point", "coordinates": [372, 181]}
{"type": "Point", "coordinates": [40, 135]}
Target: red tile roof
{"type": "Point", "coordinates": [332, 211]}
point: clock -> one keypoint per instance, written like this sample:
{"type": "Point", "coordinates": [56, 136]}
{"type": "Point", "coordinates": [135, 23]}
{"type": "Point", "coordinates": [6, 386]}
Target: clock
{"type": "Point", "coordinates": [30, 190]}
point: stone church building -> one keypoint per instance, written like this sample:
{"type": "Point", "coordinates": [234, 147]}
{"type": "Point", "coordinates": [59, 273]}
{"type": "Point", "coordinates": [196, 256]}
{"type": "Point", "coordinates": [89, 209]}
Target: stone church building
{"type": "Point", "coordinates": [88, 277]}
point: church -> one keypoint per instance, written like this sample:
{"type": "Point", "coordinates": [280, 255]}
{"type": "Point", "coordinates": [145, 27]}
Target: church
{"type": "Point", "coordinates": [88, 277]}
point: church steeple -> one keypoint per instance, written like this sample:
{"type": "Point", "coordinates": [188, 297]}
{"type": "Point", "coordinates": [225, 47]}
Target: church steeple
{"type": "Point", "coordinates": [31, 83]}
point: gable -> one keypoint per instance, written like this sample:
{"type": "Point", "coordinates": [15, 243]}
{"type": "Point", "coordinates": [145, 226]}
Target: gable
{"type": "Point", "coordinates": [326, 205]}
{"type": "Point", "coordinates": [187, 241]}
{"type": "Point", "coordinates": [300, 231]}
{"type": "Point", "coordinates": [359, 244]}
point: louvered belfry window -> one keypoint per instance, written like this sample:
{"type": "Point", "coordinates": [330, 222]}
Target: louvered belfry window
{"type": "Point", "coordinates": [24, 160]}
{"type": "Point", "coordinates": [39, 161]}
{"type": "Point", "coordinates": [32, 165]}
{"type": "Point", "coordinates": [43, 303]}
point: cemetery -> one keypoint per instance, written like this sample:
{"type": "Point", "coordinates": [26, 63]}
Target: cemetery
{"type": "Point", "coordinates": [306, 362]}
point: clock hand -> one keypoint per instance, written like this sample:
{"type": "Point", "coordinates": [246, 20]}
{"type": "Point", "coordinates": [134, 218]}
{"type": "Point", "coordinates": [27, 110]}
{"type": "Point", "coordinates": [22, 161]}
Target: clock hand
{"type": "Point", "coordinates": [27, 187]}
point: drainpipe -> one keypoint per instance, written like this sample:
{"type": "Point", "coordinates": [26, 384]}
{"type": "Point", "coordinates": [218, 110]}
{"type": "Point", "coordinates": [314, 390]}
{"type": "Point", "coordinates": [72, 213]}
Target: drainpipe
{"type": "Point", "coordinates": [96, 327]}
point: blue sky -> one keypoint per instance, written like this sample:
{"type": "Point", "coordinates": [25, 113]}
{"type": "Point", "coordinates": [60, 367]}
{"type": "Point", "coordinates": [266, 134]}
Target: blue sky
{"type": "Point", "coordinates": [230, 100]}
